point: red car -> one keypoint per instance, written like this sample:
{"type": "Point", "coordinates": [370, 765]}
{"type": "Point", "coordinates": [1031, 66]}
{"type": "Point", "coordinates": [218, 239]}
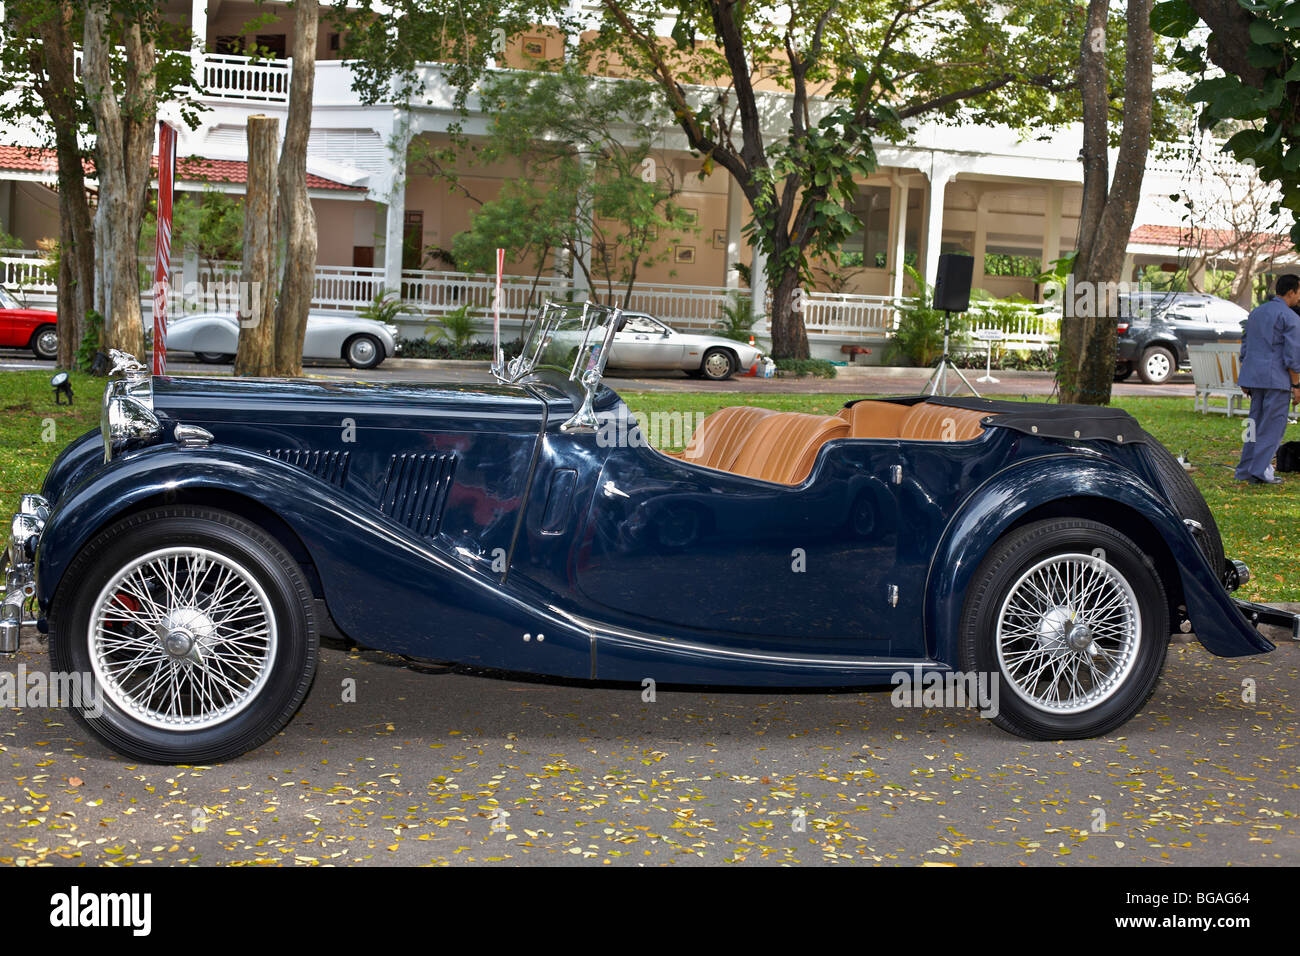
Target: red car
{"type": "Point", "coordinates": [33, 329]}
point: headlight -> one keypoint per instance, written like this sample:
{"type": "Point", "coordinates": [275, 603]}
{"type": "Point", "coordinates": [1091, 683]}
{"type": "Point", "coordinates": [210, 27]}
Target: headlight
{"type": "Point", "coordinates": [24, 532]}
{"type": "Point", "coordinates": [126, 419]}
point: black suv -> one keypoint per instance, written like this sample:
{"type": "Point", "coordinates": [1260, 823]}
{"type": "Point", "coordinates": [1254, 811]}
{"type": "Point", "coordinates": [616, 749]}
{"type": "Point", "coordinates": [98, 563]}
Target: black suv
{"type": "Point", "coordinates": [1155, 329]}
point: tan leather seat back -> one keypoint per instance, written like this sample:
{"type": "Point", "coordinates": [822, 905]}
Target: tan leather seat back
{"type": "Point", "coordinates": [926, 422]}
{"type": "Point", "coordinates": [718, 440]}
{"type": "Point", "coordinates": [874, 419]}
{"type": "Point", "coordinates": [784, 446]}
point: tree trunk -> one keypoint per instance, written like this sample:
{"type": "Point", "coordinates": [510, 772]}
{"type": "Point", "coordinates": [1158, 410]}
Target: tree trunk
{"type": "Point", "coordinates": [297, 219]}
{"type": "Point", "coordinates": [52, 68]}
{"type": "Point", "coordinates": [124, 137]}
{"type": "Point", "coordinates": [256, 355]}
{"type": "Point", "coordinates": [1087, 363]}
{"type": "Point", "coordinates": [789, 334]}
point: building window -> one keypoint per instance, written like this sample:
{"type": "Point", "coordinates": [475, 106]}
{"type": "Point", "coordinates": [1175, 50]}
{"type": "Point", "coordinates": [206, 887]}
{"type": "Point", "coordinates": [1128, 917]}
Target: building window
{"type": "Point", "coordinates": [229, 45]}
{"type": "Point", "coordinates": [1012, 261]}
{"type": "Point", "coordinates": [869, 246]}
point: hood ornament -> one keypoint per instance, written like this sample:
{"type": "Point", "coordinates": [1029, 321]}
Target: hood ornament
{"type": "Point", "coordinates": [126, 365]}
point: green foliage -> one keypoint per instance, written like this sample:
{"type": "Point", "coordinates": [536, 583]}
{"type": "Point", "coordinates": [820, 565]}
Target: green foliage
{"type": "Point", "coordinates": [457, 327]}
{"type": "Point", "coordinates": [738, 318]}
{"type": "Point", "coordinates": [89, 346]}
{"type": "Point", "coordinates": [798, 368]}
{"type": "Point", "coordinates": [472, 351]}
{"type": "Point", "coordinates": [386, 307]}
{"type": "Point", "coordinates": [212, 224]}
{"type": "Point", "coordinates": [919, 336]}
{"type": "Point", "coordinates": [594, 186]}
{"type": "Point", "coordinates": [1264, 107]}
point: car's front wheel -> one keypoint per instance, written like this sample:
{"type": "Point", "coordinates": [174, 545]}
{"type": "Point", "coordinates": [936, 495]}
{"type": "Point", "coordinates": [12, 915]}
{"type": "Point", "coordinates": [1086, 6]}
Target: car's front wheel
{"type": "Point", "coordinates": [718, 365]}
{"type": "Point", "coordinates": [194, 630]}
{"type": "Point", "coordinates": [363, 351]}
{"type": "Point", "coordinates": [45, 342]}
{"type": "Point", "coordinates": [1070, 618]}
{"type": "Point", "coordinates": [1157, 366]}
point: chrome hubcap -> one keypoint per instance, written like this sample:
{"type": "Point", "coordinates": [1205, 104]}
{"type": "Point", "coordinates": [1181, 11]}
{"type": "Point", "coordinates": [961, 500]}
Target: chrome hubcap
{"type": "Point", "coordinates": [1068, 633]}
{"type": "Point", "coordinates": [48, 342]}
{"type": "Point", "coordinates": [182, 638]}
{"type": "Point", "coordinates": [1158, 366]}
{"type": "Point", "coordinates": [717, 364]}
{"type": "Point", "coordinates": [363, 350]}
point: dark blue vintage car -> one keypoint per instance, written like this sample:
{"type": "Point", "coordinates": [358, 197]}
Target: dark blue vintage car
{"type": "Point", "coordinates": [190, 554]}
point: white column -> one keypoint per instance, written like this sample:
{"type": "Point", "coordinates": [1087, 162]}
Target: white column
{"type": "Point", "coordinates": [735, 212]}
{"type": "Point", "coordinates": [939, 177]}
{"type": "Point", "coordinates": [901, 191]}
{"type": "Point", "coordinates": [395, 211]}
{"type": "Point", "coordinates": [1054, 196]}
{"type": "Point", "coordinates": [198, 27]}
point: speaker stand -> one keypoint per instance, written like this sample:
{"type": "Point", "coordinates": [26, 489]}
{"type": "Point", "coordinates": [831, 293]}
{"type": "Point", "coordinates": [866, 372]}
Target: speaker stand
{"type": "Point", "coordinates": [938, 383]}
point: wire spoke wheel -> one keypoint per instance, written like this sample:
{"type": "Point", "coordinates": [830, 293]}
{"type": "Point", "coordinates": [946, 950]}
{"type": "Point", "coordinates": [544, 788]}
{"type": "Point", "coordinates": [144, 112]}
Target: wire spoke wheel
{"type": "Point", "coordinates": [182, 638]}
{"type": "Point", "coordinates": [1068, 633]}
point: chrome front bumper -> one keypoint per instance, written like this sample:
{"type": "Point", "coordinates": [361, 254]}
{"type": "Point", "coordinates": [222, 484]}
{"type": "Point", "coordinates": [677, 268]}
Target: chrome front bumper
{"type": "Point", "coordinates": [17, 566]}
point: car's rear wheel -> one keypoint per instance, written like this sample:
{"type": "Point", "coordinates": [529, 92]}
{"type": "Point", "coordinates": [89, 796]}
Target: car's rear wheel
{"type": "Point", "coordinates": [45, 342]}
{"type": "Point", "coordinates": [1123, 370]}
{"type": "Point", "coordinates": [214, 358]}
{"type": "Point", "coordinates": [1157, 366]}
{"type": "Point", "coordinates": [1071, 619]}
{"type": "Point", "coordinates": [363, 351]}
{"type": "Point", "coordinates": [196, 632]}
{"type": "Point", "coordinates": [718, 365]}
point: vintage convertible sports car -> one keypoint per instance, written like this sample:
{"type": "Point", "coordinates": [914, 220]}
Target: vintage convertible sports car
{"type": "Point", "coordinates": [189, 555]}
{"type": "Point", "coordinates": [214, 336]}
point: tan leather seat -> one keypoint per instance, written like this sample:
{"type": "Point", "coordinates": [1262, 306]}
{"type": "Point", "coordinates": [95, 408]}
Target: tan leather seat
{"type": "Point", "coordinates": [874, 419]}
{"type": "Point", "coordinates": [926, 422]}
{"type": "Point", "coordinates": [718, 440]}
{"type": "Point", "coordinates": [783, 447]}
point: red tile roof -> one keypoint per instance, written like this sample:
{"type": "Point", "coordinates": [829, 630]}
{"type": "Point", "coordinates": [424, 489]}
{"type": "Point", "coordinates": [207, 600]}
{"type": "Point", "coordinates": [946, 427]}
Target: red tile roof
{"type": "Point", "coordinates": [195, 169]}
{"type": "Point", "coordinates": [1187, 237]}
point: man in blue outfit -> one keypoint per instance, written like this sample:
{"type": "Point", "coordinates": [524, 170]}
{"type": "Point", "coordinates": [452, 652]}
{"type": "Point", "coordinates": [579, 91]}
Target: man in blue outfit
{"type": "Point", "coordinates": [1270, 369]}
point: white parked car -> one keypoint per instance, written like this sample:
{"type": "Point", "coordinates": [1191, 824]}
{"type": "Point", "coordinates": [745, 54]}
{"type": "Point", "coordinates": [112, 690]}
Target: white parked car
{"type": "Point", "coordinates": [214, 337]}
{"type": "Point", "coordinates": [645, 342]}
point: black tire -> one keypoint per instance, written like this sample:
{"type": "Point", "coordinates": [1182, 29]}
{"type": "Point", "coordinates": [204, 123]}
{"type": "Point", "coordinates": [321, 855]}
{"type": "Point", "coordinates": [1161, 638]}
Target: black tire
{"type": "Point", "coordinates": [288, 671]}
{"type": "Point", "coordinates": [1157, 366]}
{"type": "Point", "coordinates": [1123, 370]}
{"type": "Point", "coordinates": [711, 365]}
{"type": "Point", "coordinates": [1189, 503]}
{"type": "Point", "coordinates": [214, 358]}
{"type": "Point", "coordinates": [363, 351]}
{"type": "Point", "coordinates": [45, 342]}
{"type": "Point", "coordinates": [694, 372]}
{"type": "Point", "coordinates": [1018, 553]}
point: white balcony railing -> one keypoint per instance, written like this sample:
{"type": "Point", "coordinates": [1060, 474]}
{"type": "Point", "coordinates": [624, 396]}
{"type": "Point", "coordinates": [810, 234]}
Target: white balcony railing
{"type": "Point", "coordinates": [227, 77]}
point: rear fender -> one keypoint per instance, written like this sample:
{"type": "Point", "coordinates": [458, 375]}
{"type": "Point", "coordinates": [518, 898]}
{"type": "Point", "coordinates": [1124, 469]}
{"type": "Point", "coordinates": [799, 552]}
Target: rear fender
{"type": "Point", "coordinates": [1012, 495]}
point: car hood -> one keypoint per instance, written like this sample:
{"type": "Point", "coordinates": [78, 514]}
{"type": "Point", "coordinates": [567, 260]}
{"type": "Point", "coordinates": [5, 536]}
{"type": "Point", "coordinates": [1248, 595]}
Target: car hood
{"type": "Point", "coordinates": [213, 401]}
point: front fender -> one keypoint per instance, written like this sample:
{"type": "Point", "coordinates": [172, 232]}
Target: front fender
{"type": "Point", "coordinates": [1010, 495]}
{"type": "Point", "coordinates": [387, 587]}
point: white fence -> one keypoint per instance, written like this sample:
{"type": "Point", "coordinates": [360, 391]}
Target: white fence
{"type": "Point", "coordinates": [226, 77]}
{"type": "Point", "coordinates": [428, 294]}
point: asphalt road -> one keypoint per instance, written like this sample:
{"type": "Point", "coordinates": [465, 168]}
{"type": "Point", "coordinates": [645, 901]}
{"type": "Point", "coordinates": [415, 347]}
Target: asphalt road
{"type": "Point", "coordinates": [864, 381]}
{"type": "Point", "coordinates": [420, 767]}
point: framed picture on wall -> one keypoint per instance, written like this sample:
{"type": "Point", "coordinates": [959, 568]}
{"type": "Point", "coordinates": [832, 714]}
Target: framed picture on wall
{"type": "Point", "coordinates": [684, 255]}
{"type": "Point", "coordinates": [686, 215]}
{"type": "Point", "coordinates": [719, 238]}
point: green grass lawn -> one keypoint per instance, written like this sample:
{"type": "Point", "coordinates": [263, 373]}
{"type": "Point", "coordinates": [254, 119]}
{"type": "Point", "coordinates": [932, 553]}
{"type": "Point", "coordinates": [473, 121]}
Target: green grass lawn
{"type": "Point", "coordinates": [1260, 523]}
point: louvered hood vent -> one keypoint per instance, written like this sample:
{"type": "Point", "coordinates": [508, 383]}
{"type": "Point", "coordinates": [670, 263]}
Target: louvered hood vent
{"type": "Point", "coordinates": [415, 490]}
{"type": "Point", "coordinates": [328, 466]}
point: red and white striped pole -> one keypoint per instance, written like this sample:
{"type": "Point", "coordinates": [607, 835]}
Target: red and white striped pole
{"type": "Point", "coordinates": [163, 246]}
